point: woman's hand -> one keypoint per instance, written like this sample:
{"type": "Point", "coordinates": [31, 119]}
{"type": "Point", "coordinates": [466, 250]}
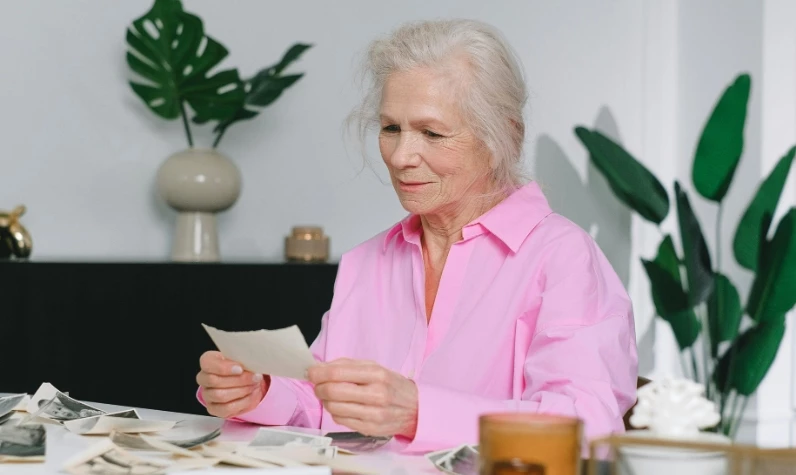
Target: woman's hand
{"type": "Point", "coordinates": [227, 389]}
{"type": "Point", "coordinates": [366, 397]}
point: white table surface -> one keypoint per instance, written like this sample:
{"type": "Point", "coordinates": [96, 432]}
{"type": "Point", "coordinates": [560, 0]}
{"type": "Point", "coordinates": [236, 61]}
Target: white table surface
{"type": "Point", "coordinates": [62, 444]}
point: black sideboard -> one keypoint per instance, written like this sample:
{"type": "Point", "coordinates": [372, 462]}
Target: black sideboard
{"type": "Point", "coordinates": [131, 334]}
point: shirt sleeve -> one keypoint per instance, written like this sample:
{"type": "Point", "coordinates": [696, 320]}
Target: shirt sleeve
{"type": "Point", "coordinates": [289, 402]}
{"type": "Point", "coordinates": [580, 361]}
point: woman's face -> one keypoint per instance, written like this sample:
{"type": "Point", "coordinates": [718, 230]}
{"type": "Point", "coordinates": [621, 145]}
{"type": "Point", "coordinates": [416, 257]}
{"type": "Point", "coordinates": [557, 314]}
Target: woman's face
{"type": "Point", "coordinates": [434, 159]}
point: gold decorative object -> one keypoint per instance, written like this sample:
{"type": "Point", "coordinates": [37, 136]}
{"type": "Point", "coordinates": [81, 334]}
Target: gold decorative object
{"type": "Point", "coordinates": [307, 244]}
{"type": "Point", "coordinates": [14, 238]}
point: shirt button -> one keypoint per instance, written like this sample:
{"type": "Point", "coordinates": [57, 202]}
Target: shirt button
{"type": "Point", "coordinates": [411, 374]}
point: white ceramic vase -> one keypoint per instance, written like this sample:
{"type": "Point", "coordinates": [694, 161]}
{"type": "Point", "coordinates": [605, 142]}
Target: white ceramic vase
{"type": "Point", "coordinates": [650, 460]}
{"type": "Point", "coordinates": [198, 184]}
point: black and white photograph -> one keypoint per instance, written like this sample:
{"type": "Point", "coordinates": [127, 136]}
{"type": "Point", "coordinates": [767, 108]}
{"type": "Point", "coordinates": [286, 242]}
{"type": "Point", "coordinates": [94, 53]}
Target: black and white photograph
{"type": "Point", "coordinates": [50, 403]}
{"type": "Point", "coordinates": [130, 441]}
{"type": "Point", "coordinates": [126, 414]}
{"type": "Point", "coordinates": [63, 408]}
{"type": "Point", "coordinates": [462, 461]}
{"type": "Point", "coordinates": [9, 403]}
{"type": "Point", "coordinates": [282, 438]}
{"type": "Point", "coordinates": [107, 459]}
{"type": "Point", "coordinates": [437, 457]}
{"type": "Point", "coordinates": [197, 441]}
{"type": "Point", "coordinates": [107, 423]}
{"type": "Point", "coordinates": [117, 462]}
{"type": "Point", "coordinates": [142, 442]}
{"type": "Point", "coordinates": [5, 418]}
{"type": "Point", "coordinates": [357, 442]}
{"type": "Point", "coordinates": [22, 443]}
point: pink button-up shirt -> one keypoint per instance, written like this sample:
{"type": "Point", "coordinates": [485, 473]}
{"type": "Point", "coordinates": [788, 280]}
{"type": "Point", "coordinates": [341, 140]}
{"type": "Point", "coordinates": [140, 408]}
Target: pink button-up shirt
{"type": "Point", "coordinates": [529, 316]}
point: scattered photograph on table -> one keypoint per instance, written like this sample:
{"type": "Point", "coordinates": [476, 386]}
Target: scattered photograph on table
{"type": "Point", "coordinates": [64, 408]}
{"type": "Point", "coordinates": [106, 458]}
{"type": "Point", "coordinates": [462, 461]}
{"type": "Point", "coordinates": [114, 462]}
{"type": "Point", "coordinates": [5, 418]}
{"type": "Point", "coordinates": [22, 442]}
{"type": "Point", "coordinates": [149, 444]}
{"type": "Point", "coordinates": [106, 423]}
{"type": "Point", "coordinates": [437, 457]}
{"type": "Point", "coordinates": [50, 403]}
{"type": "Point", "coordinates": [282, 438]}
{"type": "Point", "coordinates": [300, 453]}
{"type": "Point", "coordinates": [130, 441]}
{"type": "Point", "coordinates": [22, 405]}
{"type": "Point", "coordinates": [197, 441]}
{"type": "Point", "coordinates": [356, 442]}
{"type": "Point", "coordinates": [9, 403]}
{"type": "Point", "coordinates": [134, 441]}
{"type": "Point", "coordinates": [326, 452]}
{"type": "Point", "coordinates": [128, 414]}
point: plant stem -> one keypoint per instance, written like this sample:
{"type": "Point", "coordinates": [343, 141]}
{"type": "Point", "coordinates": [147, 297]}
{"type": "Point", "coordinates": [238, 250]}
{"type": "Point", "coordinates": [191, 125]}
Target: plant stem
{"type": "Point", "coordinates": [738, 417]}
{"type": "Point", "coordinates": [185, 124]}
{"type": "Point", "coordinates": [726, 413]}
{"type": "Point", "coordinates": [706, 344]}
{"type": "Point", "coordinates": [218, 137]}
{"type": "Point", "coordinates": [718, 238]}
{"type": "Point", "coordinates": [694, 364]}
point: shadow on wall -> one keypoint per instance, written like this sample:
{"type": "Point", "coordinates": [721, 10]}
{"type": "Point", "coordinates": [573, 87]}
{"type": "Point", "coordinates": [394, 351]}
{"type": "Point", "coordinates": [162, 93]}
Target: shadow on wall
{"type": "Point", "coordinates": [592, 206]}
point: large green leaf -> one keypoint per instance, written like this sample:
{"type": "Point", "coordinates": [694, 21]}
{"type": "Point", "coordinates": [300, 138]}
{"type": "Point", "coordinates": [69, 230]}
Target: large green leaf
{"type": "Point", "coordinates": [695, 250]}
{"type": "Point", "coordinates": [746, 243]}
{"type": "Point", "coordinates": [721, 144]}
{"type": "Point", "coordinates": [724, 312]}
{"type": "Point", "coordinates": [263, 89]}
{"type": "Point", "coordinates": [667, 294]}
{"type": "Point", "coordinates": [630, 181]}
{"type": "Point", "coordinates": [773, 291]}
{"type": "Point", "coordinates": [292, 54]}
{"type": "Point", "coordinates": [754, 353]}
{"type": "Point", "coordinates": [671, 301]}
{"type": "Point", "coordinates": [168, 49]}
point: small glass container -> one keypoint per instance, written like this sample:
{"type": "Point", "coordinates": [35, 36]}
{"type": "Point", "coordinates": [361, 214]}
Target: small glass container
{"type": "Point", "coordinates": [529, 444]}
{"type": "Point", "coordinates": [307, 244]}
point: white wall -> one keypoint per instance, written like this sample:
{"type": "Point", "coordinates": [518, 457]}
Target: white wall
{"type": "Point", "coordinates": [81, 151]}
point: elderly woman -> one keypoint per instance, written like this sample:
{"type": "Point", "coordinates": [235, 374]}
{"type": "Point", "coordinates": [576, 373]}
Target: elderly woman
{"type": "Point", "coordinates": [481, 300]}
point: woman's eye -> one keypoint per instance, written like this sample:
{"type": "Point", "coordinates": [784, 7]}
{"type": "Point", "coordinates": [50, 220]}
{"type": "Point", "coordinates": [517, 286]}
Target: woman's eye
{"type": "Point", "coordinates": [391, 129]}
{"type": "Point", "coordinates": [433, 135]}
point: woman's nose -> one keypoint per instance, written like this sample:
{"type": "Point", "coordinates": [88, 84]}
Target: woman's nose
{"type": "Point", "coordinates": [407, 152]}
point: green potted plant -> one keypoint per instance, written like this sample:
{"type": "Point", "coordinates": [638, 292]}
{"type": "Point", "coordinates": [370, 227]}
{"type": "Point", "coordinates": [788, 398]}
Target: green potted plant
{"type": "Point", "coordinates": [176, 64]}
{"type": "Point", "coordinates": [729, 344]}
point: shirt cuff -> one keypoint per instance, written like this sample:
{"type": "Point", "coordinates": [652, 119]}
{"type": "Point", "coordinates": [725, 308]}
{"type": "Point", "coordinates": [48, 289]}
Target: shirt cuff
{"type": "Point", "coordinates": [276, 409]}
{"type": "Point", "coordinates": [445, 419]}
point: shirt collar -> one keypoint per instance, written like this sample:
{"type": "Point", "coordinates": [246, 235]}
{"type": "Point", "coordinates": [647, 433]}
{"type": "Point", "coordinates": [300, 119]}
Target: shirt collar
{"type": "Point", "coordinates": [511, 220]}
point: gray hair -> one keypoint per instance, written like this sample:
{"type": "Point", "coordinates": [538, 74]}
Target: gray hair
{"type": "Point", "coordinates": [495, 96]}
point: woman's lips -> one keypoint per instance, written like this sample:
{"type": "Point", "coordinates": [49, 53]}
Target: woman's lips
{"type": "Point", "coordinates": [411, 185]}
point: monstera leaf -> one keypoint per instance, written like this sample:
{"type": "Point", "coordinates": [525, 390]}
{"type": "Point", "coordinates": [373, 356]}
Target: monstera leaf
{"type": "Point", "coordinates": [630, 181]}
{"type": "Point", "coordinates": [169, 49]}
{"type": "Point", "coordinates": [753, 224]}
{"type": "Point", "coordinates": [261, 90]}
{"type": "Point", "coordinates": [721, 143]}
